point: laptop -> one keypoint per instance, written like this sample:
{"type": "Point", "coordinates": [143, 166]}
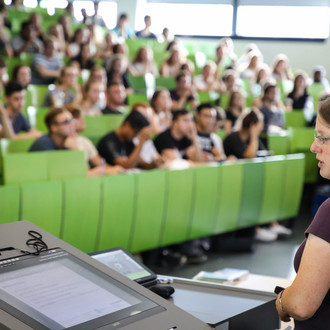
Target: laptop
{"type": "Point", "coordinates": [124, 263]}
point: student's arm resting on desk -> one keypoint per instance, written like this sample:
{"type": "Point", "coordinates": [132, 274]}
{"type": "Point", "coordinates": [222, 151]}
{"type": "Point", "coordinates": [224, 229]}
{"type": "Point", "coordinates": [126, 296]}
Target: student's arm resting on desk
{"type": "Point", "coordinates": [303, 298]}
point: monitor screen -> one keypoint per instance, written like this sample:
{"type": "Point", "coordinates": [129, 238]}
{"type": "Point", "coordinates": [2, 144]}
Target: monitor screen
{"type": "Point", "coordinates": [56, 290]}
{"type": "Point", "coordinates": [124, 263]}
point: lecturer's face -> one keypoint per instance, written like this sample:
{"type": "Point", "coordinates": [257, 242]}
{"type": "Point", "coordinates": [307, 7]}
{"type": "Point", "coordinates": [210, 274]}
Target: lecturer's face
{"type": "Point", "coordinates": [322, 150]}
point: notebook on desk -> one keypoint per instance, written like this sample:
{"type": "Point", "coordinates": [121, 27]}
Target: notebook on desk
{"type": "Point", "coordinates": [123, 262]}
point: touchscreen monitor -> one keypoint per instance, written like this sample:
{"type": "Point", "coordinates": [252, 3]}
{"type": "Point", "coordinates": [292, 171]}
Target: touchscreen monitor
{"type": "Point", "coordinates": [57, 290]}
{"type": "Point", "coordinates": [123, 262]}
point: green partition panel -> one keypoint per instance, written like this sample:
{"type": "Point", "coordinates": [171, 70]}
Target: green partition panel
{"type": "Point", "coordinates": [9, 203]}
{"type": "Point", "coordinates": [252, 193]}
{"type": "Point", "coordinates": [273, 188]}
{"type": "Point", "coordinates": [293, 185]}
{"type": "Point", "coordinates": [38, 94]}
{"type": "Point", "coordinates": [82, 199]}
{"type": "Point", "coordinates": [230, 196]}
{"type": "Point", "coordinates": [279, 143]}
{"type": "Point", "coordinates": [42, 204]}
{"type": "Point", "coordinates": [135, 98]}
{"type": "Point", "coordinates": [295, 118]}
{"type": "Point", "coordinates": [98, 126]}
{"type": "Point", "coordinates": [206, 200]}
{"type": "Point", "coordinates": [301, 140]}
{"type": "Point", "coordinates": [315, 90]}
{"type": "Point", "coordinates": [24, 167]}
{"type": "Point", "coordinates": [178, 206]}
{"type": "Point", "coordinates": [224, 101]}
{"type": "Point", "coordinates": [66, 164]}
{"type": "Point", "coordinates": [148, 221]}
{"type": "Point", "coordinates": [117, 210]}
{"type": "Point", "coordinates": [13, 146]}
{"type": "Point", "coordinates": [165, 82]}
{"type": "Point", "coordinates": [138, 83]}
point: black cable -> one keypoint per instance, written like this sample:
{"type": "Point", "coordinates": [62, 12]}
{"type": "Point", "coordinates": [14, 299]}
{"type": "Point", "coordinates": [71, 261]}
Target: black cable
{"type": "Point", "coordinates": [36, 242]}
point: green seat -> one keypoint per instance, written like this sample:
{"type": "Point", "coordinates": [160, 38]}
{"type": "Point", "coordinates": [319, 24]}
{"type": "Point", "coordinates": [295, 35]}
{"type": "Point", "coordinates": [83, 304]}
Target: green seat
{"type": "Point", "coordinates": [204, 97]}
{"type": "Point", "coordinates": [165, 82]}
{"type": "Point", "coordinates": [98, 126]}
{"type": "Point", "coordinates": [38, 94]}
{"type": "Point", "coordinates": [82, 200]}
{"type": "Point", "coordinates": [134, 45]}
{"type": "Point", "coordinates": [36, 118]}
{"type": "Point", "coordinates": [135, 98]}
{"type": "Point", "coordinates": [66, 164]}
{"type": "Point", "coordinates": [224, 101]}
{"type": "Point", "coordinates": [295, 118]}
{"type": "Point", "coordinates": [285, 87]}
{"type": "Point", "coordinates": [42, 204]}
{"type": "Point", "coordinates": [150, 204]}
{"type": "Point", "coordinates": [221, 133]}
{"type": "Point", "coordinates": [26, 58]}
{"type": "Point", "coordinates": [279, 143]}
{"type": "Point", "coordinates": [178, 206]}
{"type": "Point", "coordinates": [117, 211]}
{"type": "Point", "coordinates": [206, 195]}
{"type": "Point", "coordinates": [43, 166]}
{"type": "Point", "coordinates": [292, 186]}
{"type": "Point", "coordinates": [301, 138]}
{"type": "Point", "coordinates": [9, 203]}
{"type": "Point", "coordinates": [138, 83]}
{"type": "Point", "coordinates": [24, 167]}
{"type": "Point", "coordinates": [315, 90]}
{"type": "Point", "coordinates": [13, 146]}
{"type": "Point", "coordinates": [11, 62]}
{"type": "Point", "coordinates": [273, 188]}
{"type": "Point", "coordinates": [252, 193]}
{"type": "Point", "coordinates": [230, 195]}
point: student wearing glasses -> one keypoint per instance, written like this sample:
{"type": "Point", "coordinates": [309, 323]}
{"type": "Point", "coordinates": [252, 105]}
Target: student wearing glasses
{"type": "Point", "coordinates": [60, 126]}
{"type": "Point", "coordinates": [307, 300]}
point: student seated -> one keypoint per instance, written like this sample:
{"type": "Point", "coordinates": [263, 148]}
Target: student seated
{"type": "Point", "coordinates": [118, 148]}
{"type": "Point", "coordinates": [12, 121]}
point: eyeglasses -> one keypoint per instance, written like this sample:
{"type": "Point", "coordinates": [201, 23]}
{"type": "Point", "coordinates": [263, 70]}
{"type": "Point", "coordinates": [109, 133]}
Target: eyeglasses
{"type": "Point", "coordinates": [320, 139]}
{"type": "Point", "coordinates": [66, 122]}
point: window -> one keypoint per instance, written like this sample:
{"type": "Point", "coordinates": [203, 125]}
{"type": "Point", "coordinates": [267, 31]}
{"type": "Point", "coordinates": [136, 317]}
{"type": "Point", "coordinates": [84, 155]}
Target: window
{"type": "Point", "coordinates": [283, 21]}
{"type": "Point", "coordinates": [305, 19]}
{"type": "Point", "coordinates": [199, 19]}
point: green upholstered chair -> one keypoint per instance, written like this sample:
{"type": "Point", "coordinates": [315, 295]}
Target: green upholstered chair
{"type": "Point", "coordinates": [138, 83]}
{"type": "Point", "coordinates": [38, 94]}
{"type": "Point", "coordinates": [98, 126]}
{"type": "Point", "coordinates": [178, 206]}
{"type": "Point", "coordinates": [279, 143]}
{"type": "Point", "coordinates": [118, 199]}
{"type": "Point", "coordinates": [206, 198]}
{"type": "Point", "coordinates": [252, 192]}
{"type": "Point", "coordinates": [66, 164]}
{"type": "Point", "coordinates": [14, 146]}
{"type": "Point", "coordinates": [9, 203]}
{"type": "Point", "coordinates": [37, 116]}
{"type": "Point", "coordinates": [301, 139]}
{"type": "Point", "coordinates": [24, 167]}
{"type": "Point", "coordinates": [230, 197]}
{"type": "Point", "coordinates": [295, 118]}
{"type": "Point", "coordinates": [165, 82]}
{"type": "Point", "coordinates": [82, 200]}
{"type": "Point", "coordinates": [135, 98]}
{"type": "Point", "coordinates": [43, 166]}
{"type": "Point", "coordinates": [150, 190]}
{"type": "Point", "coordinates": [42, 204]}
{"type": "Point", "coordinates": [274, 175]}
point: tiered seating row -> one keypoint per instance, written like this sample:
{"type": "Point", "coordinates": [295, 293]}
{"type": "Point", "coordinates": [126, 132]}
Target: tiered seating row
{"type": "Point", "coordinates": [154, 208]}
